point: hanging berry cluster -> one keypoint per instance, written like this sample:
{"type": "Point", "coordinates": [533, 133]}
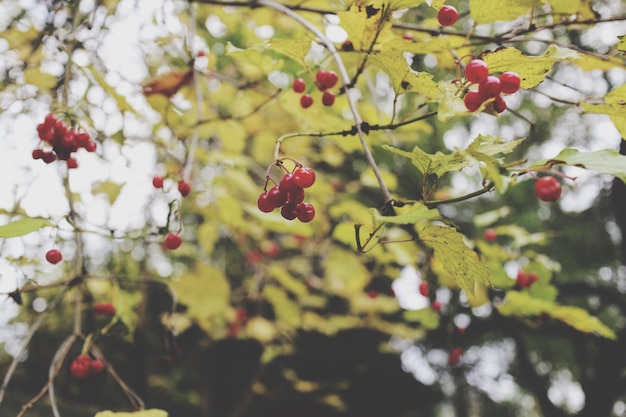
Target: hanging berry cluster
{"type": "Point", "coordinates": [63, 140]}
{"type": "Point", "coordinates": [289, 194]}
{"type": "Point", "coordinates": [489, 86]}
{"type": "Point", "coordinates": [525, 279]}
{"type": "Point", "coordinates": [83, 366]}
{"type": "Point", "coordinates": [324, 81]}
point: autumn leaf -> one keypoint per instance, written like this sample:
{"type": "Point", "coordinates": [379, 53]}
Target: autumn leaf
{"type": "Point", "coordinates": [604, 161]}
{"type": "Point", "coordinates": [168, 84]}
{"type": "Point", "coordinates": [23, 226]}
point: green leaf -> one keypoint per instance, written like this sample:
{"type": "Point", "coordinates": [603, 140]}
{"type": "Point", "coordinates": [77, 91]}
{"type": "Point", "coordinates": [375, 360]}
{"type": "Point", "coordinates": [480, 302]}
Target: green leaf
{"type": "Point", "coordinates": [427, 317]}
{"type": "Point", "coordinates": [437, 164]}
{"type": "Point", "coordinates": [605, 161]}
{"type": "Point", "coordinates": [461, 262]}
{"type": "Point", "coordinates": [403, 78]}
{"type": "Point", "coordinates": [531, 69]}
{"type": "Point", "coordinates": [490, 11]}
{"type": "Point", "coordinates": [522, 304]}
{"type": "Point", "coordinates": [285, 309]}
{"type": "Point", "coordinates": [23, 226]}
{"type": "Point", "coordinates": [614, 105]}
{"type": "Point", "coordinates": [121, 101]}
{"type": "Point", "coordinates": [416, 213]}
{"type": "Point", "coordinates": [295, 49]}
{"type": "Point", "coordinates": [143, 413]}
{"type": "Point", "coordinates": [287, 280]}
{"type": "Point", "coordinates": [254, 58]}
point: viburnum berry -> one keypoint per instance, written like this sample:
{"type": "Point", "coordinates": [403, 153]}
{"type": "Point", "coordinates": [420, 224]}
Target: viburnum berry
{"type": "Point", "coordinates": [490, 87]}
{"type": "Point", "coordinates": [299, 85]}
{"type": "Point", "coordinates": [423, 288]}
{"type": "Point", "coordinates": [172, 241]}
{"type": "Point", "coordinates": [447, 16]}
{"type": "Point", "coordinates": [473, 100]}
{"type": "Point", "coordinates": [72, 163]}
{"type": "Point", "coordinates": [48, 157]}
{"type": "Point", "coordinates": [326, 79]}
{"type": "Point", "coordinates": [408, 36]}
{"type": "Point", "coordinates": [286, 183]}
{"type": "Point", "coordinates": [436, 305]}
{"type": "Point", "coordinates": [455, 356]}
{"type": "Point", "coordinates": [548, 189]}
{"type": "Point", "coordinates": [289, 211]}
{"type": "Point", "coordinates": [157, 182]}
{"type": "Point", "coordinates": [54, 256]}
{"type": "Point", "coordinates": [296, 196]}
{"type": "Point", "coordinates": [184, 188]}
{"type": "Point", "coordinates": [521, 279]}
{"type": "Point", "coordinates": [328, 99]}
{"type": "Point", "coordinates": [104, 309]}
{"type": "Point", "coordinates": [264, 204]}
{"type": "Point", "coordinates": [476, 71]}
{"type": "Point", "coordinates": [347, 46]}
{"type": "Point", "coordinates": [510, 82]}
{"type": "Point", "coordinates": [499, 105]}
{"type": "Point", "coordinates": [490, 235]}
{"type": "Point", "coordinates": [303, 177]}
{"type": "Point", "coordinates": [305, 212]}
{"type": "Point", "coordinates": [306, 101]}
{"type": "Point", "coordinates": [64, 140]}
{"type": "Point", "coordinates": [96, 366]}
{"type": "Point", "coordinates": [37, 153]}
{"type": "Point", "coordinates": [277, 196]}
{"type": "Point", "coordinates": [80, 367]}
{"type": "Point", "coordinates": [372, 294]}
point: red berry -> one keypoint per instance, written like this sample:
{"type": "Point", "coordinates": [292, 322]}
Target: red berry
{"type": "Point", "coordinates": [104, 309]}
{"type": "Point", "coordinates": [157, 182]}
{"type": "Point", "coordinates": [328, 98]}
{"type": "Point", "coordinates": [521, 280]}
{"type": "Point", "coordinates": [532, 278]}
{"type": "Point", "coordinates": [447, 15]}
{"type": "Point", "coordinates": [499, 105]}
{"type": "Point", "coordinates": [299, 85]}
{"type": "Point", "coordinates": [476, 71]}
{"type": "Point", "coordinates": [37, 153]}
{"type": "Point", "coordinates": [306, 101]}
{"type": "Point", "coordinates": [473, 100]}
{"type": "Point", "coordinates": [436, 305]}
{"type": "Point", "coordinates": [490, 235]}
{"type": "Point", "coordinates": [72, 163]}
{"type": "Point", "coordinates": [423, 288]}
{"type": "Point", "coordinates": [78, 370]}
{"type": "Point", "coordinates": [277, 196]}
{"type": "Point", "coordinates": [303, 177]}
{"type": "Point", "coordinates": [408, 36]}
{"type": "Point", "coordinates": [347, 46]}
{"type": "Point", "coordinates": [54, 256]}
{"type": "Point", "coordinates": [184, 188]}
{"type": "Point", "coordinates": [96, 366]}
{"type": "Point", "coordinates": [241, 314]}
{"type": "Point", "coordinates": [254, 257]}
{"type": "Point", "coordinates": [49, 157]}
{"type": "Point", "coordinates": [490, 87]}
{"type": "Point", "coordinates": [289, 211]}
{"type": "Point", "coordinates": [510, 82]}
{"type": "Point", "coordinates": [326, 79]}
{"type": "Point", "coordinates": [296, 196]}
{"type": "Point", "coordinates": [548, 189]}
{"type": "Point", "coordinates": [201, 54]}
{"type": "Point", "coordinates": [455, 356]}
{"type": "Point", "coordinates": [305, 212]}
{"type": "Point", "coordinates": [264, 204]}
{"type": "Point", "coordinates": [372, 294]}
{"type": "Point", "coordinates": [91, 146]}
{"type": "Point", "coordinates": [172, 241]}
{"type": "Point", "coordinates": [286, 183]}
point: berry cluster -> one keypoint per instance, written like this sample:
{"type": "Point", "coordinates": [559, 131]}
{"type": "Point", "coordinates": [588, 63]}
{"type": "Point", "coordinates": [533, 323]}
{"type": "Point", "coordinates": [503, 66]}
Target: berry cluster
{"type": "Point", "coordinates": [548, 189]}
{"type": "Point", "coordinates": [489, 86]}
{"type": "Point", "coordinates": [54, 256]}
{"type": "Point", "coordinates": [104, 309]}
{"type": "Point", "coordinates": [447, 15]}
{"type": "Point", "coordinates": [184, 188]}
{"type": "Point", "coordinates": [525, 279]}
{"type": "Point", "coordinates": [324, 81]}
{"type": "Point", "coordinates": [83, 366]}
{"type": "Point", "coordinates": [289, 195]}
{"type": "Point", "coordinates": [64, 141]}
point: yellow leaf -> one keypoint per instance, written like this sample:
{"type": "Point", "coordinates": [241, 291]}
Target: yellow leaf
{"type": "Point", "coordinates": [403, 78]}
{"type": "Point", "coordinates": [286, 310]}
{"type": "Point", "coordinates": [42, 80]}
{"type": "Point", "coordinates": [366, 24]}
{"type": "Point", "coordinates": [614, 105]}
{"type": "Point", "coordinates": [345, 274]}
{"type": "Point", "coordinates": [490, 11]}
{"type": "Point", "coordinates": [295, 49]}
{"type": "Point", "coordinates": [110, 189]}
{"type": "Point", "coordinates": [287, 280]}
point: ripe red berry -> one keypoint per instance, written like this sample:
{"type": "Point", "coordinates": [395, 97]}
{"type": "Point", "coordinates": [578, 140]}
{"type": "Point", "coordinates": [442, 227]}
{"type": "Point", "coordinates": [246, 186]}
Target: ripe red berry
{"type": "Point", "coordinates": [473, 100]}
{"type": "Point", "coordinates": [372, 294]}
{"type": "Point", "coordinates": [548, 189]}
{"type": "Point", "coordinates": [184, 188]}
{"type": "Point", "coordinates": [490, 87]}
{"type": "Point", "coordinates": [96, 366]}
{"type": "Point", "coordinates": [79, 369]}
{"type": "Point", "coordinates": [49, 157]}
{"type": "Point", "coordinates": [436, 305]}
{"type": "Point", "coordinates": [326, 79]}
{"type": "Point", "coordinates": [277, 196]}
{"type": "Point", "coordinates": [328, 98]}
{"type": "Point", "coordinates": [510, 82]}
{"type": "Point", "coordinates": [447, 16]}
{"type": "Point", "coordinates": [296, 196]}
{"type": "Point", "coordinates": [306, 101]}
{"type": "Point", "coordinates": [54, 256]}
{"type": "Point", "coordinates": [201, 54]}
{"type": "Point", "coordinates": [347, 46]}
{"type": "Point", "coordinates": [299, 85]}
{"type": "Point", "coordinates": [289, 211]}
{"type": "Point", "coordinates": [303, 177]}
{"type": "Point", "coordinates": [490, 235]}
{"type": "Point", "coordinates": [37, 153]}
{"type": "Point", "coordinates": [476, 71]}
{"type": "Point", "coordinates": [305, 212]}
{"type": "Point", "coordinates": [286, 183]}
{"type": "Point", "coordinates": [455, 356]}
{"type": "Point", "coordinates": [157, 182]}
{"type": "Point", "coordinates": [172, 241]}
{"type": "Point", "coordinates": [408, 36]}
{"type": "Point", "coordinates": [72, 163]}
{"type": "Point", "coordinates": [499, 105]}
{"type": "Point", "coordinates": [264, 204]}
{"type": "Point", "coordinates": [521, 280]}
{"type": "Point", "coordinates": [423, 288]}
{"type": "Point", "coordinates": [104, 309]}
{"type": "Point", "coordinates": [532, 278]}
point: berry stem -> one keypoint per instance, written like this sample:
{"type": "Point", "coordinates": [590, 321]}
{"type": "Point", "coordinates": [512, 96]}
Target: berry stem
{"type": "Point", "coordinates": [346, 81]}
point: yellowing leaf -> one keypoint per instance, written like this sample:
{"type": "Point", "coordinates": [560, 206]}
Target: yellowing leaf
{"type": "Point", "coordinates": [490, 11]}
{"type": "Point", "coordinates": [345, 274]}
{"type": "Point", "coordinates": [143, 413]}
{"type": "Point", "coordinates": [614, 105]}
{"type": "Point", "coordinates": [565, 6]}
{"type": "Point", "coordinates": [457, 259]}
{"type": "Point", "coordinates": [44, 81]}
{"type": "Point", "coordinates": [605, 161]}
{"type": "Point", "coordinates": [286, 310]}
{"type": "Point", "coordinates": [122, 104]}
{"type": "Point", "coordinates": [252, 59]}
{"type": "Point", "coordinates": [205, 291]}
{"type": "Point", "coordinates": [403, 78]}
{"type": "Point", "coordinates": [287, 280]}
{"type": "Point", "coordinates": [437, 164]}
{"type": "Point", "coordinates": [531, 69]}
{"type": "Point", "coordinates": [23, 226]}
{"type": "Point", "coordinates": [169, 83]}
{"type": "Point", "coordinates": [414, 214]}
{"type": "Point", "coordinates": [427, 317]}
{"type": "Point", "coordinates": [366, 24]}
{"type": "Point", "coordinates": [295, 49]}
{"type": "Point", "coordinates": [110, 189]}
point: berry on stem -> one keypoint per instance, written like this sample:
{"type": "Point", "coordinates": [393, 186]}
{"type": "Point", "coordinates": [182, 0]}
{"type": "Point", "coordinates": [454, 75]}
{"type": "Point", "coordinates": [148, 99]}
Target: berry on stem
{"type": "Point", "coordinates": [299, 85]}
{"type": "Point", "coordinates": [490, 235]}
{"type": "Point", "coordinates": [447, 16]}
{"type": "Point", "coordinates": [104, 309]}
{"type": "Point", "coordinates": [184, 188]}
{"type": "Point", "coordinates": [423, 288]}
{"type": "Point", "coordinates": [289, 211]}
{"type": "Point", "coordinates": [305, 212]}
{"type": "Point", "coordinates": [476, 71]}
{"type": "Point", "coordinates": [306, 101]}
{"type": "Point", "coordinates": [328, 98]}
{"type": "Point", "coordinates": [172, 241]}
{"type": "Point", "coordinates": [54, 256]}
{"type": "Point", "coordinates": [499, 105]}
{"type": "Point", "coordinates": [510, 82]}
{"type": "Point", "coordinates": [490, 87]}
{"type": "Point", "coordinates": [473, 100]}
{"type": "Point", "coordinates": [277, 196]}
{"type": "Point", "coordinates": [264, 204]}
{"type": "Point", "coordinates": [548, 189]}
{"type": "Point", "coordinates": [303, 177]}
{"type": "Point", "coordinates": [157, 182]}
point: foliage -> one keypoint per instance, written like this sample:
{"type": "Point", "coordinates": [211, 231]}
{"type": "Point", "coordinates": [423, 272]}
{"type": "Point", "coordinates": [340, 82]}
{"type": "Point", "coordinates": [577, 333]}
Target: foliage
{"type": "Point", "coordinates": [407, 180]}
